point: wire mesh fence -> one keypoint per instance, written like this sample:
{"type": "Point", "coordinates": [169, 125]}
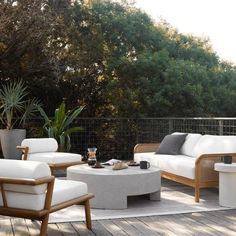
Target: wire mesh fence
{"type": "Point", "coordinates": [116, 137]}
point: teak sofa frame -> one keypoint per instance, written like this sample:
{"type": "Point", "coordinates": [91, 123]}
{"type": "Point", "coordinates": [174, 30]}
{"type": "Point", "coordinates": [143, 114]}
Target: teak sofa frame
{"type": "Point", "coordinates": [42, 215]}
{"type": "Point", "coordinates": [205, 175]}
{"type": "Point", "coordinates": [57, 166]}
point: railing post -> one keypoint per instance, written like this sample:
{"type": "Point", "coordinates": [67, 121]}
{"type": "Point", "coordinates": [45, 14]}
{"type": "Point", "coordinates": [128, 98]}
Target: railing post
{"type": "Point", "coordinates": [170, 126]}
{"type": "Point", "coordinates": [221, 127]}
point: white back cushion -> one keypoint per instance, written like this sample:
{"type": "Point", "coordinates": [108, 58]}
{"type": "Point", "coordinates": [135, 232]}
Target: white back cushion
{"type": "Point", "coordinates": [189, 144]}
{"type": "Point", "coordinates": [24, 170]}
{"type": "Point", "coordinates": [40, 144]}
{"type": "Point", "coordinates": [215, 144]}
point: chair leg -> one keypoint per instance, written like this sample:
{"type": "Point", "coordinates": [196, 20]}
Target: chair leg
{"type": "Point", "coordinates": [44, 225]}
{"type": "Point", "coordinates": [197, 193]}
{"type": "Point", "coordinates": [88, 214]}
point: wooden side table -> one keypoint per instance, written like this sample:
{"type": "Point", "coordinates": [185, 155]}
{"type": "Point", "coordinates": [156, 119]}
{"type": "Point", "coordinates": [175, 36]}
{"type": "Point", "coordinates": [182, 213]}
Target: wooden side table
{"type": "Point", "coordinates": [227, 184]}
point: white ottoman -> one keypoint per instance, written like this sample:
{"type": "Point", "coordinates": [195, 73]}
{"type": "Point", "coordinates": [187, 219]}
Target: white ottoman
{"type": "Point", "coordinates": [227, 184]}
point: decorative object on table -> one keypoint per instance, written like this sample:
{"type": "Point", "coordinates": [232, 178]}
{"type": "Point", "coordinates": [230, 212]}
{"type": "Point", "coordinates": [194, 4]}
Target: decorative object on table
{"type": "Point", "coordinates": [144, 165]}
{"type": "Point", "coordinates": [132, 163]}
{"type": "Point", "coordinates": [92, 156]}
{"type": "Point", "coordinates": [98, 165]}
{"type": "Point", "coordinates": [15, 109]}
{"type": "Point", "coordinates": [111, 162]}
{"type": "Point", "coordinates": [60, 127]}
{"type": "Point", "coordinates": [228, 159]}
{"type": "Point", "coordinates": [120, 166]}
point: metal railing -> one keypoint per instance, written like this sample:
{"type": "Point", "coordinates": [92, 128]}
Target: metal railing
{"type": "Point", "coordinates": [116, 137]}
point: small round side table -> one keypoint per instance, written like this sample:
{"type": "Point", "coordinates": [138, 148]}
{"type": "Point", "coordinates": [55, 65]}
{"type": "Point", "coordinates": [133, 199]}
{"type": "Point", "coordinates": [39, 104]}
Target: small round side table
{"type": "Point", "coordinates": [227, 184]}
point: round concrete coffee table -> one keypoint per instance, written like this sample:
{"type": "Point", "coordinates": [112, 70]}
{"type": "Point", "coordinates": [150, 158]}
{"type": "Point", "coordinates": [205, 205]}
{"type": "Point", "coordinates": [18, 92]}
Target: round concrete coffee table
{"type": "Point", "coordinates": [111, 187]}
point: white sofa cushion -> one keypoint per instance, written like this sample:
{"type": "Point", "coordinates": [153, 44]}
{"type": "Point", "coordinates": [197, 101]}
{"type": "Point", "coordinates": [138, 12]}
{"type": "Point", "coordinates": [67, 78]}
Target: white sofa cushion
{"type": "Point", "coordinates": [22, 169]}
{"type": "Point", "coordinates": [55, 157]}
{"type": "Point", "coordinates": [215, 144]}
{"type": "Point", "coordinates": [176, 164]}
{"type": "Point", "coordinates": [40, 144]}
{"type": "Point", "coordinates": [189, 144]}
{"type": "Point", "coordinates": [64, 190]}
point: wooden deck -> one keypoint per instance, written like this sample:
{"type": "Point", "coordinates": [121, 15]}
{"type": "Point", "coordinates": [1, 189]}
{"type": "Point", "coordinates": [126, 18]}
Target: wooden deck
{"type": "Point", "coordinates": [205, 223]}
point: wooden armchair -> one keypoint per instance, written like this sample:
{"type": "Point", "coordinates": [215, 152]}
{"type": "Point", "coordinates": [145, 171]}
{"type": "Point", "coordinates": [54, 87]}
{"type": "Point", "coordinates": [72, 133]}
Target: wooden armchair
{"type": "Point", "coordinates": [29, 191]}
{"type": "Point", "coordinates": [45, 150]}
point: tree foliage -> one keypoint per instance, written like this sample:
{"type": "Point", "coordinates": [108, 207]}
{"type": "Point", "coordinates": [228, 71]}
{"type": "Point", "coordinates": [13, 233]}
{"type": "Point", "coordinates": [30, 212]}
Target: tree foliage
{"type": "Point", "coordinates": [112, 58]}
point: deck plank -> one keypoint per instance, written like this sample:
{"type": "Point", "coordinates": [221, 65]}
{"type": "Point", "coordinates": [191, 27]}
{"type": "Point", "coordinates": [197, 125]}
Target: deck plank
{"type": "Point", "coordinates": [139, 225]}
{"type": "Point", "coordinates": [67, 229]}
{"type": "Point", "coordinates": [127, 228]}
{"type": "Point", "coordinates": [53, 230]}
{"type": "Point", "coordinates": [112, 228]}
{"type": "Point", "coordinates": [158, 224]}
{"type": "Point", "coordinates": [81, 229]}
{"type": "Point", "coordinates": [6, 227]}
{"type": "Point", "coordinates": [99, 229]}
{"type": "Point", "coordinates": [33, 227]}
{"type": "Point", "coordinates": [19, 227]}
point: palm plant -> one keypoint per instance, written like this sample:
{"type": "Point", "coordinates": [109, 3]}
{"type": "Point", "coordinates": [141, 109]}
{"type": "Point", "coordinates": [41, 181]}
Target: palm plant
{"type": "Point", "coordinates": [14, 106]}
{"type": "Point", "coordinates": [60, 126]}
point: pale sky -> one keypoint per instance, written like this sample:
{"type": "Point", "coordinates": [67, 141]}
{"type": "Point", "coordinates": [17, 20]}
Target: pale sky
{"type": "Point", "coordinates": [214, 19]}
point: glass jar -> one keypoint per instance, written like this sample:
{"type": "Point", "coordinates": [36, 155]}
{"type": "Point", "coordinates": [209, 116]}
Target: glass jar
{"type": "Point", "coordinates": [92, 156]}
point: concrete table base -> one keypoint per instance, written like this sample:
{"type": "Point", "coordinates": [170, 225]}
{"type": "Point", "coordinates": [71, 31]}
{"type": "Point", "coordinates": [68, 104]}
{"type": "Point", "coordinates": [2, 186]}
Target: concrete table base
{"type": "Point", "coordinates": [112, 187]}
{"type": "Point", "coordinates": [227, 180]}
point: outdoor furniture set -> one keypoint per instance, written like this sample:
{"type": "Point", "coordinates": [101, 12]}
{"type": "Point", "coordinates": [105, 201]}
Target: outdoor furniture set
{"type": "Point", "coordinates": [29, 190]}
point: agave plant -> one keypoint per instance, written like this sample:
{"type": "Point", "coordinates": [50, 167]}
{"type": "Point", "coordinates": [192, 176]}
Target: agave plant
{"type": "Point", "coordinates": [14, 106]}
{"type": "Point", "coordinates": [60, 126]}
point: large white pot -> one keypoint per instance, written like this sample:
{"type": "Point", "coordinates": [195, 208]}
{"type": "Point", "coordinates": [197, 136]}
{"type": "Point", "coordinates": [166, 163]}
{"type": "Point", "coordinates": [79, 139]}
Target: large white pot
{"type": "Point", "coordinates": [9, 140]}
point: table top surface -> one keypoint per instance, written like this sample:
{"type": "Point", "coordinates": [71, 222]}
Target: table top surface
{"type": "Point", "coordinates": [225, 167]}
{"type": "Point", "coordinates": [107, 170]}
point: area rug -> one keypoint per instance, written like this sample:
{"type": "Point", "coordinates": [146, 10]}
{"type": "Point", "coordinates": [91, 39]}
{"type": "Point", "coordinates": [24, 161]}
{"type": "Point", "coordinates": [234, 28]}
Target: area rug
{"type": "Point", "coordinates": [175, 199]}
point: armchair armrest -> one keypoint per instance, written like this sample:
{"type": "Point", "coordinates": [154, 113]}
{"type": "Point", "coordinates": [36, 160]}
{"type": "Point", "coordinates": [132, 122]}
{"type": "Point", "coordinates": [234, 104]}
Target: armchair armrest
{"type": "Point", "coordinates": [24, 150]}
{"type": "Point", "coordinates": [146, 147]}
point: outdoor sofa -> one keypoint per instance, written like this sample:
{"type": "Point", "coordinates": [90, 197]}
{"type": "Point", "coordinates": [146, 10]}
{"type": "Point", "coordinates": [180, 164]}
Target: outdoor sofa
{"type": "Point", "coordinates": [27, 190]}
{"type": "Point", "coordinates": [193, 164]}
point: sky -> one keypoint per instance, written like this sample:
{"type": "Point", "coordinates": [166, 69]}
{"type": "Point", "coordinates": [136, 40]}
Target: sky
{"type": "Point", "coordinates": [213, 19]}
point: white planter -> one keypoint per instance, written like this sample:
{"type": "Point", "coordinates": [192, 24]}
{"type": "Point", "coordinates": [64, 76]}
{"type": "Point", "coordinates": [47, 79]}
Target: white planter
{"type": "Point", "coordinates": [9, 140]}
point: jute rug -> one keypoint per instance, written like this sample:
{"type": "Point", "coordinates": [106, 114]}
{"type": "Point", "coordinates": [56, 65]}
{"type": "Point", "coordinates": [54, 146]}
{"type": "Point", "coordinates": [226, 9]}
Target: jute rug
{"type": "Point", "coordinates": [175, 199]}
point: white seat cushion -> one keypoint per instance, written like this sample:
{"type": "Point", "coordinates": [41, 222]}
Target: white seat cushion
{"type": "Point", "coordinates": [22, 169]}
{"type": "Point", "coordinates": [215, 144]}
{"type": "Point", "coordinates": [55, 157]}
{"type": "Point", "coordinates": [65, 190]}
{"type": "Point", "coordinates": [176, 164]}
{"type": "Point", "coordinates": [40, 144]}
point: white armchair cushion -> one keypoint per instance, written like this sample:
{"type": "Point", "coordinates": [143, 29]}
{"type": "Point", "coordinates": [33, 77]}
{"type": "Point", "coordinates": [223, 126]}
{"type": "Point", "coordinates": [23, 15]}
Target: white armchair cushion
{"type": "Point", "coordinates": [40, 144]}
{"type": "Point", "coordinates": [24, 200]}
{"type": "Point", "coordinates": [65, 190]}
{"type": "Point", "coordinates": [55, 157]}
{"type": "Point", "coordinates": [215, 144]}
{"type": "Point", "coordinates": [21, 169]}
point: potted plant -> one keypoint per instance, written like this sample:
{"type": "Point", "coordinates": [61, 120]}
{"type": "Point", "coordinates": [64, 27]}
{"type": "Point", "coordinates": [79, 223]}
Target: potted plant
{"type": "Point", "coordinates": [15, 108]}
{"type": "Point", "coordinates": [60, 126]}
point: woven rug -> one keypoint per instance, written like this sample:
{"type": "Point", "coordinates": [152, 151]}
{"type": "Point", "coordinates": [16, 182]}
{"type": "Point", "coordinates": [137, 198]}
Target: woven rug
{"type": "Point", "coordinates": [175, 199]}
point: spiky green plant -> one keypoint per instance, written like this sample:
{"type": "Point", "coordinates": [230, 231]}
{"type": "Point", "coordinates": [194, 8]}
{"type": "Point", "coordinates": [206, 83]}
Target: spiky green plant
{"type": "Point", "coordinates": [60, 126]}
{"type": "Point", "coordinates": [14, 106]}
